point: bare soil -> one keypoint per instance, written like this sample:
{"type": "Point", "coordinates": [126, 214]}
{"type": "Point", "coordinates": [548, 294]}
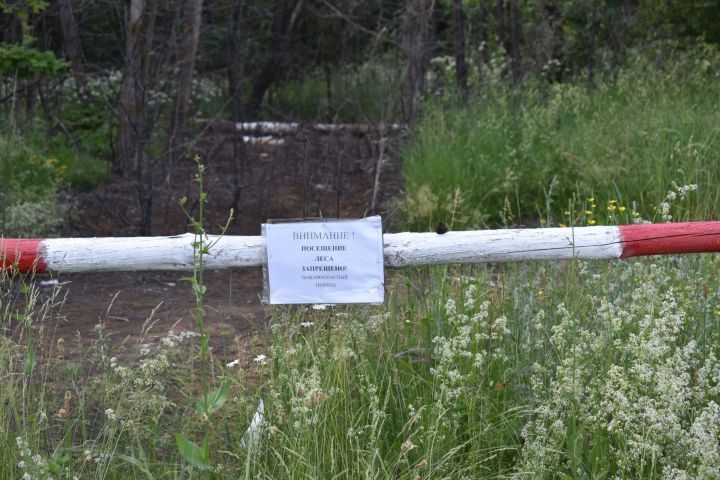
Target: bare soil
{"type": "Point", "coordinates": [310, 175]}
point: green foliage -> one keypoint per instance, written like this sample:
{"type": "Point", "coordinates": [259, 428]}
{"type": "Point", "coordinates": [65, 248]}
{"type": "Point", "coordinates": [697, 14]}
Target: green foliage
{"type": "Point", "coordinates": [192, 453]}
{"type": "Point", "coordinates": [35, 167]}
{"type": "Point", "coordinates": [27, 189]}
{"type": "Point", "coordinates": [541, 150]}
{"type": "Point", "coordinates": [688, 20]}
{"type": "Point", "coordinates": [84, 166]}
{"type": "Point", "coordinates": [33, 218]}
{"type": "Point", "coordinates": [213, 401]}
{"type": "Point", "coordinates": [26, 63]}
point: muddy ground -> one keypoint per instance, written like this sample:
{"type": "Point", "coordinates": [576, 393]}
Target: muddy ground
{"type": "Point", "coordinates": [310, 175]}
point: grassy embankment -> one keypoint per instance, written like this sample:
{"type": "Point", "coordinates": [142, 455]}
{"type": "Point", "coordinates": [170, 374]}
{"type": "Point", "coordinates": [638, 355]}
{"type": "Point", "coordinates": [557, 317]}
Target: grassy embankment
{"type": "Point", "coordinates": [537, 370]}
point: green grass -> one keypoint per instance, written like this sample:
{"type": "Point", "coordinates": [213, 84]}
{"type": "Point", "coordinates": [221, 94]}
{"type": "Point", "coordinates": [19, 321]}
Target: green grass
{"type": "Point", "coordinates": [538, 370]}
{"type": "Point", "coordinates": [540, 150]}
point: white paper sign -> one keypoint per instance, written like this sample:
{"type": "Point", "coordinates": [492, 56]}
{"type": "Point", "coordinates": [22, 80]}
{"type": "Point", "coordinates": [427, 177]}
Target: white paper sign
{"type": "Point", "coordinates": [338, 261]}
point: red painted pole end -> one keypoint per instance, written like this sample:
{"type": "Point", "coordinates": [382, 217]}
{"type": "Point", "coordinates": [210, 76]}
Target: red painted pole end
{"type": "Point", "coordinates": [21, 255]}
{"type": "Point", "coordinates": [669, 238]}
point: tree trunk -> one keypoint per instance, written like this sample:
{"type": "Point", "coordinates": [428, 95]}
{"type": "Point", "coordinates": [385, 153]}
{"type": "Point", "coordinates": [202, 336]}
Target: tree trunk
{"type": "Point", "coordinates": [500, 22]}
{"type": "Point", "coordinates": [557, 41]}
{"type": "Point", "coordinates": [188, 50]}
{"type": "Point", "coordinates": [458, 26]}
{"type": "Point", "coordinates": [235, 89]}
{"type": "Point", "coordinates": [515, 40]}
{"type": "Point", "coordinates": [478, 31]}
{"type": "Point", "coordinates": [275, 64]}
{"type": "Point", "coordinates": [11, 28]}
{"type": "Point", "coordinates": [31, 101]}
{"type": "Point", "coordinates": [416, 38]}
{"type": "Point", "coordinates": [131, 105]}
{"type": "Point", "coordinates": [144, 187]}
{"type": "Point", "coordinates": [593, 44]}
{"type": "Point", "coordinates": [71, 40]}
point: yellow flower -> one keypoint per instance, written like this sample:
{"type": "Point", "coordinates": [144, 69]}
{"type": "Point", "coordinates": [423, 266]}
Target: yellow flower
{"type": "Point", "coordinates": [591, 199]}
{"type": "Point", "coordinates": [593, 205]}
{"type": "Point", "coordinates": [611, 208]}
{"type": "Point", "coordinates": [612, 202]}
{"type": "Point", "coordinates": [566, 212]}
{"type": "Point", "coordinates": [562, 225]}
{"type": "Point", "coordinates": [540, 293]}
{"type": "Point", "coordinates": [622, 209]}
{"type": "Point", "coordinates": [588, 212]}
{"type": "Point", "coordinates": [591, 222]}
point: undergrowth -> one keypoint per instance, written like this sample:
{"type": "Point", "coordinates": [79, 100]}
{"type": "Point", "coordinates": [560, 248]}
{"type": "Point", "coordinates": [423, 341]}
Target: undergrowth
{"type": "Point", "coordinates": [546, 370]}
{"type": "Point", "coordinates": [519, 154]}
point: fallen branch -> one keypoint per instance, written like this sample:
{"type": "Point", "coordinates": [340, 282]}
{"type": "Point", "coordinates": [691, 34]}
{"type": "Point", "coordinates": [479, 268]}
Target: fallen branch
{"type": "Point", "coordinates": [291, 128]}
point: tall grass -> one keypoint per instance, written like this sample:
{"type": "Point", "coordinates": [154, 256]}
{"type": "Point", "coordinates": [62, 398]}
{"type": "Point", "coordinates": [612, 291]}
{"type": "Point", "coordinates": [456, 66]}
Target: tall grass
{"type": "Point", "coordinates": [550, 370]}
{"type": "Point", "coordinates": [558, 370]}
{"type": "Point", "coordinates": [515, 152]}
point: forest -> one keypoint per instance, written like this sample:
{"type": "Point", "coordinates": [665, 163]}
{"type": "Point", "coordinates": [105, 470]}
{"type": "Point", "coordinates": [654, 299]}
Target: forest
{"type": "Point", "coordinates": [103, 89]}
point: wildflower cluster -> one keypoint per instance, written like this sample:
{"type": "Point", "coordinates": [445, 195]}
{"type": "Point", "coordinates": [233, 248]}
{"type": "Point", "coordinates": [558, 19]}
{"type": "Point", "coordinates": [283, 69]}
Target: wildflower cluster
{"type": "Point", "coordinates": [469, 356]}
{"type": "Point", "coordinates": [678, 193]}
{"type": "Point", "coordinates": [142, 388]}
{"type": "Point", "coordinates": [33, 465]}
{"type": "Point", "coordinates": [634, 374]}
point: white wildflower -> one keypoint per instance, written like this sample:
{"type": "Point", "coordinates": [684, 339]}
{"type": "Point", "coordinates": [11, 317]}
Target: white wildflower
{"type": "Point", "coordinates": [407, 446]}
{"type": "Point", "coordinates": [322, 306]}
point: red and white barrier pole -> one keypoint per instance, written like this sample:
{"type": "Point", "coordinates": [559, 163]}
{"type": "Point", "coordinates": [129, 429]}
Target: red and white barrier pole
{"type": "Point", "coordinates": [401, 249]}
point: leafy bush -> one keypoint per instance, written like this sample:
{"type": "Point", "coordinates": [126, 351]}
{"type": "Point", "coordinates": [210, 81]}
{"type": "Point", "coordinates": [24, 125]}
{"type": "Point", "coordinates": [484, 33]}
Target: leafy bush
{"type": "Point", "coordinates": [33, 218]}
{"type": "Point", "coordinates": [31, 180]}
{"type": "Point", "coordinates": [25, 62]}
